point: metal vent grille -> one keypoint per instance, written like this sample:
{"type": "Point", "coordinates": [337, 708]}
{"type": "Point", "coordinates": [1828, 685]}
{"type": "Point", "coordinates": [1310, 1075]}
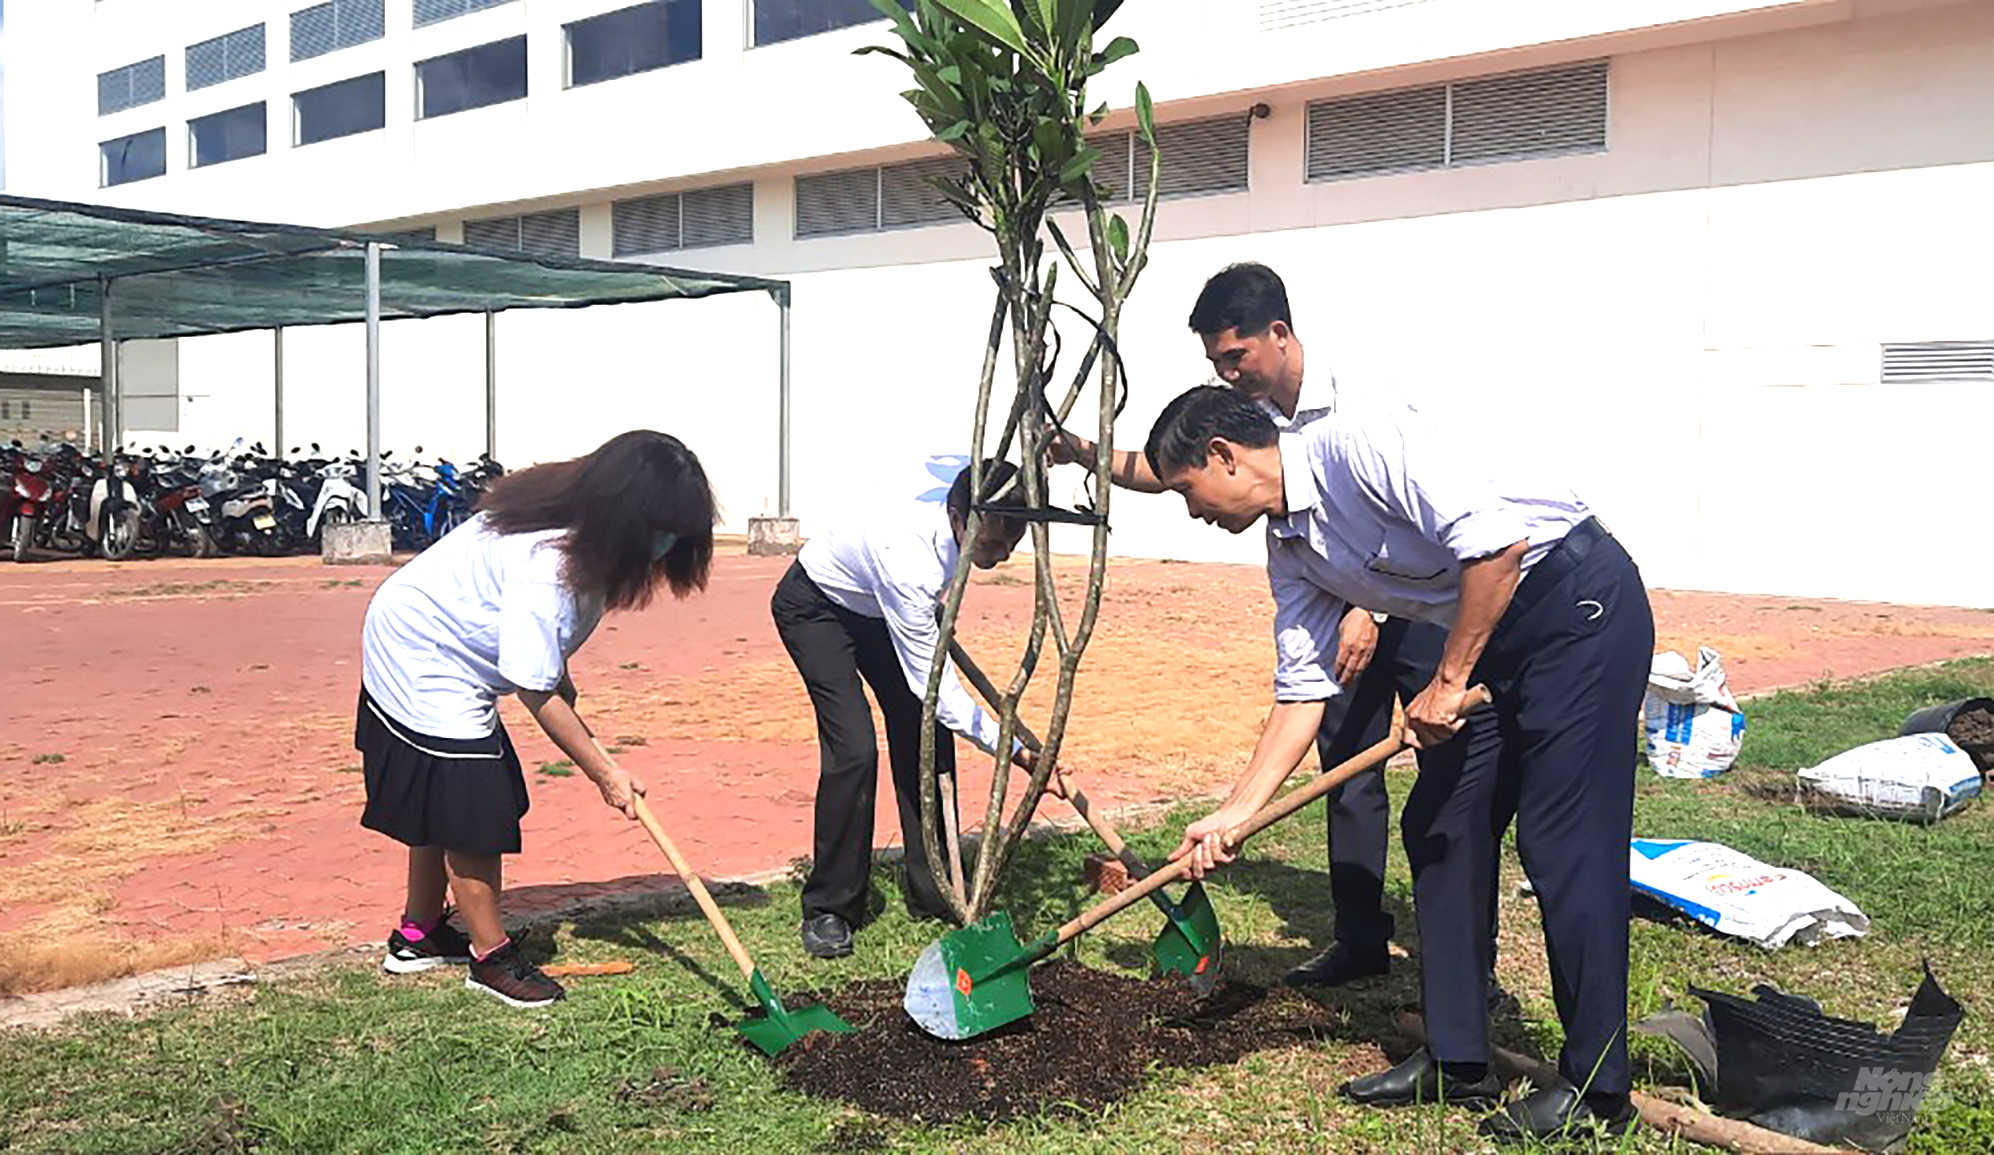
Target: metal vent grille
{"type": "Point", "coordinates": [432, 11]}
{"type": "Point", "coordinates": [231, 57]}
{"type": "Point", "coordinates": [425, 235]}
{"type": "Point", "coordinates": [644, 225]}
{"type": "Point", "coordinates": [1200, 158]}
{"type": "Point", "coordinates": [828, 203]}
{"type": "Point", "coordinates": [492, 233]}
{"type": "Point", "coordinates": [555, 233]}
{"type": "Point", "coordinates": [1907, 363]}
{"type": "Point", "coordinates": [1518, 116]}
{"type": "Point", "coordinates": [1278, 14]}
{"type": "Point", "coordinates": [907, 196]}
{"type": "Point", "coordinates": [1530, 114]}
{"type": "Point", "coordinates": [131, 85]}
{"type": "Point", "coordinates": [718, 216]}
{"type": "Point", "coordinates": [1378, 132]}
{"type": "Point", "coordinates": [333, 25]}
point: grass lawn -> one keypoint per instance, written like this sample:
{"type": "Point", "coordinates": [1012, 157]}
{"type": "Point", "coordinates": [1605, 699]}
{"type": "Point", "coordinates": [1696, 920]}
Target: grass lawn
{"type": "Point", "coordinates": [351, 1060]}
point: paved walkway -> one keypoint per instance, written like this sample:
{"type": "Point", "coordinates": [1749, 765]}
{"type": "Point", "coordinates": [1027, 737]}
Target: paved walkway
{"type": "Point", "coordinates": [176, 769]}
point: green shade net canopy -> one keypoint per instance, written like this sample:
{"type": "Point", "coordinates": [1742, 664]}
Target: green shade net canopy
{"type": "Point", "coordinates": [182, 276]}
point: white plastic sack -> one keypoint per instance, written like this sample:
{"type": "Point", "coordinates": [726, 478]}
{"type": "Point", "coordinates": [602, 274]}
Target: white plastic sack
{"type": "Point", "coordinates": [1922, 777]}
{"type": "Point", "coordinates": [1738, 895]}
{"type": "Point", "coordinates": [1694, 725]}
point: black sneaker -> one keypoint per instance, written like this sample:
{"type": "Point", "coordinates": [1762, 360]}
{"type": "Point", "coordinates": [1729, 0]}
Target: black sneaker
{"type": "Point", "coordinates": [506, 975]}
{"type": "Point", "coordinates": [444, 946]}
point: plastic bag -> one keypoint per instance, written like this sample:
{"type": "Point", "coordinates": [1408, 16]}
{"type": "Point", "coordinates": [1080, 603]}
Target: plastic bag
{"type": "Point", "coordinates": [1695, 727]}
{"type": "Point", "coordinates": [1736, 894]}
{"type": "Point", "coordinates": [1920, 777]}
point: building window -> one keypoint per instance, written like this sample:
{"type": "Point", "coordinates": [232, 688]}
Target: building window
{"type": "Point", "coordinates": [779, 20]}
{"type": "Point", "coordinates": [1200, 158]}
{"type": "Point", "coordinates": [555, 233]}
{"type": "Point", "coordinates": [699, 218]}
{"type": "Point", "coordinates": [632, 40]}
{"type": "Point", "coordinates": [230, 57]}
{"type": "Point", "coordinates": [140, 156]}
{"type": "Point", "coordinates": [1519, 116]}
{"type": "Point", "coordinates": [865, 200]}
{"type": "Point", "coordinates": [334, 25]}
{"type": "Point", "coordinates": [226, 136]}
{"type": "Point", "coordinates": [1957, 362]}
{"type": "Point", "coordinates": [131, 86]}
{"type": "Point", "coordinates": [432, 11]}
{"type": "Point", "coordinates": [341, 109]}
{"type": "Point", "coordinates": [474, 78]}
{"type": "Point", "coordinates": [27, 410]}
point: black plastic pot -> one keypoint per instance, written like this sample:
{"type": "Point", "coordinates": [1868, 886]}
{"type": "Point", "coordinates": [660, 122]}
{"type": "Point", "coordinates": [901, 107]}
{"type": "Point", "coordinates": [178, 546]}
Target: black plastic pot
{"type": "Point", "coordinates": [1938, 719]}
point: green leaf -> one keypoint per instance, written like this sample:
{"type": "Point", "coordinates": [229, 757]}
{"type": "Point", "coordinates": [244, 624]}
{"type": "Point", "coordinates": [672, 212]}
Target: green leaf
{"type": "Point", "coordinates": [1118, 237]}
{"type": "Point", "coordinates": [1145, 113]}
{"type": "Point", "coordinates": [955, 130]}
{"type": "Point", "coordinates": [1098, 115]}
{"type": "Point", "coordinates": [1103, 9]}
{"type": "Point", "coordinates": [992, 19]}
{"type": "Point", "coordinates": [1119, 47]}
{"type": "Point", "coordinates": [1078, 167]}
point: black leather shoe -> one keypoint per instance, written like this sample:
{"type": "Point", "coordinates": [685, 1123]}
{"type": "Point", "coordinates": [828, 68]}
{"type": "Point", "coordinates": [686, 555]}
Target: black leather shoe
{"type": "Point", "coordinates": [1420, 1079]}
{"type": "Point", "coordinates": [1338, 965]}
{"type": "Point", "coordinates": [1558, 1111]}
{"type": "Point", "coordinates": [1502, 1004]}
{"type": "Point", "coordinates": [827, 936]}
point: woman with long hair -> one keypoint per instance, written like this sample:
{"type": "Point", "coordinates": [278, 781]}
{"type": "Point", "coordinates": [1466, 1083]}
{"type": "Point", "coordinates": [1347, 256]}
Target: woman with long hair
{"type": "Point", "coordinates": [498, 606]}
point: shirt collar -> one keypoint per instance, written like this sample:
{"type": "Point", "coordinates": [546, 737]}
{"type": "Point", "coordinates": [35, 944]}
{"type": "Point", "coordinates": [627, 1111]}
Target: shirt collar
{"type": "Point", "coordinates": [1298, 483]}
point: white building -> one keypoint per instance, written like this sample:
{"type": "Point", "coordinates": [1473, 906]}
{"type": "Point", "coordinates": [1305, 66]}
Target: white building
{"type": "Point", "coordinates": [1726, 261]}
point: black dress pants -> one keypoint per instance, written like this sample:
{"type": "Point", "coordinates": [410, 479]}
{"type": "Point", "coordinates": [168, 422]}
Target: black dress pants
{"type": "Point", "coordinates": [834, 649]}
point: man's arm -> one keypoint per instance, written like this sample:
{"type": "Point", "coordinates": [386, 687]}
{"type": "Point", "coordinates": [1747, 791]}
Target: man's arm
{"type": "Point", "coordinates": [1487, 585]}
{"type": "Point", "coordinates": [1128, 469]}
{"type": "Point", "coordinates": [1284, 741]}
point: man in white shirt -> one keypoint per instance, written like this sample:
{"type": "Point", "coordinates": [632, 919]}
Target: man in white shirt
{"type": "Point", "coordinates": [1392, 511]}
{"type": "Point", "coordinates": [860, 602]}
{"type": "Point", "coordinates": [1243, 318]}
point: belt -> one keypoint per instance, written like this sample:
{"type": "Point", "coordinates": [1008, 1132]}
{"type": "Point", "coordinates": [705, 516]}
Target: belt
{"type": "Point", "coordinates": [1552, 568]}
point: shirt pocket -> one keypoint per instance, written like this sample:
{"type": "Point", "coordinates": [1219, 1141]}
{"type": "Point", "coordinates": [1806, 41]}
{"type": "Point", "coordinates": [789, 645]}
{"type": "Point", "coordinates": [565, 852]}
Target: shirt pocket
{"type": "Point", "coordinates": [1405, 557]}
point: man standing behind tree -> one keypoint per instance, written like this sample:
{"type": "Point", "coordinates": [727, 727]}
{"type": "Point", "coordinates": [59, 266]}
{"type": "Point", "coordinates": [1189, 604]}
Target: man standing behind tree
{"type": "Point", "coordinates": [1242, 316]}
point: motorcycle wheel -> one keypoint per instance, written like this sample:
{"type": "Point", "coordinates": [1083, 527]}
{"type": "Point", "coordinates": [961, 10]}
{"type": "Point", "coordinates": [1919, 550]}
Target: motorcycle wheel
{"type": "Point", "coordinates": [120, 537]}
{"type": "Point", "coordinates": [21, 534]}
{"type": "Point", "coordinates": [200, 543]}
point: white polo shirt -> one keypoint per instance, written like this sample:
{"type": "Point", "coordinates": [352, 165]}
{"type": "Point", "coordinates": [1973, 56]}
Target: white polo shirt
{"type": "Point", "coordinates": [1383, 508]}
{"type": "Point", "coordinates": [476, 615]}
{"type": "Point", "coordinates": [896, 565]}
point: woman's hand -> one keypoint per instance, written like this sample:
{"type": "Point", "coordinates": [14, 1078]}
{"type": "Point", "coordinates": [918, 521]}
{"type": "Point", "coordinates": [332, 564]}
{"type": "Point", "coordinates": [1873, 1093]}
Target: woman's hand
{"type": "Point", "coordinates": [1204, 841]}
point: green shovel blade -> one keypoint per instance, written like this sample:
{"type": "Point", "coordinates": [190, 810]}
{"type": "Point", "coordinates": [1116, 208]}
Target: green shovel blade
{"type": "Point", "coordinates": [1190, 943]}
{"type": "Point", "coordinates": [973, 980]}
{"type": "Point", "coordinates": [776, 1028]}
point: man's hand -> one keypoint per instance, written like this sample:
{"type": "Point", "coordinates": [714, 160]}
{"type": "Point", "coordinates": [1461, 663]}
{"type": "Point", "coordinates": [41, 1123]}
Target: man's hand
{"type": "Point", "coordinates": [1436, 715]}
{"type": "Point", "coordinates": [620, 789]}
{"type": "Point", "coordinates": [1357, 642]}
{"type": "Point", "coordinates": [1064, 448]}
{"type": "Point", "coordinates": [1204, 841]}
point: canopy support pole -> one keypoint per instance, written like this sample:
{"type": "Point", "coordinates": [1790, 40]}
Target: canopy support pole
{"type": "Point", "coordinates": [277, 399]}
{"type": "Point", "coordinates": [107, 347]}
{"type": "Point", "coordinates": [491, 384]}
{"type": "Point", "coordinates": [782, 404]}
{"type": "Point", "coordinates": [375, 509]}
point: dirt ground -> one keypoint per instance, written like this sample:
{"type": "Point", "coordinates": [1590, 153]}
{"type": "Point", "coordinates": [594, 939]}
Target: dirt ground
{"type": "Point", "coordinates": [177, 779]}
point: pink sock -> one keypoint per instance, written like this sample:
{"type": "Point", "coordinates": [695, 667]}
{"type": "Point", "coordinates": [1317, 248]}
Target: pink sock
{"type": "Point", "coordinates": [482, 956]}
{"type": "Point", "coordinates": [417, 931]}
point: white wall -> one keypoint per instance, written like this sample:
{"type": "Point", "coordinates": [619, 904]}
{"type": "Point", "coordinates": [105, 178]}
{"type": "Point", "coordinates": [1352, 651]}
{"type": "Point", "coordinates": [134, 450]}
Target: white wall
{"type": "Point", "coordinates": [1688, 323]}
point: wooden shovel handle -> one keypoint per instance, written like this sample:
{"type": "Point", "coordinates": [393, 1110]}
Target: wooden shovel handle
{"type": "Point", "coordinates": [1261, 819]}
{"type": "Point", "coordinates": [707, 906]}
{"type": "Point", "coordinates": [1096, 821]}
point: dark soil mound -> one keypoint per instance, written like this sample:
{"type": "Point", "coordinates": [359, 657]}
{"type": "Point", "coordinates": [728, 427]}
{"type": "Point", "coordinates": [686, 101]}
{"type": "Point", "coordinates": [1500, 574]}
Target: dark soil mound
{"type": "Point", "coordinates": [1093, 1038]}
{"type": "Point", "coordinates": [1973, 731]}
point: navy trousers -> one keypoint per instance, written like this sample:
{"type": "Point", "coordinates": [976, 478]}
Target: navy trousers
{"type": "Point", "coordinates": [1360, 810]}
{"type": "Point", "coordinates": [1557, 757]}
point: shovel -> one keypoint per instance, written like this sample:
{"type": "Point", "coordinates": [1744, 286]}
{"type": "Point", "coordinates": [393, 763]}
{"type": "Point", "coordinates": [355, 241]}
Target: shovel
{"type": "Point", "coordinates": [1190, 942]}
{"type": "Point", "coordinates": [976, 979]}
{"type": "Point", "coordinates": [776, 1028]}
